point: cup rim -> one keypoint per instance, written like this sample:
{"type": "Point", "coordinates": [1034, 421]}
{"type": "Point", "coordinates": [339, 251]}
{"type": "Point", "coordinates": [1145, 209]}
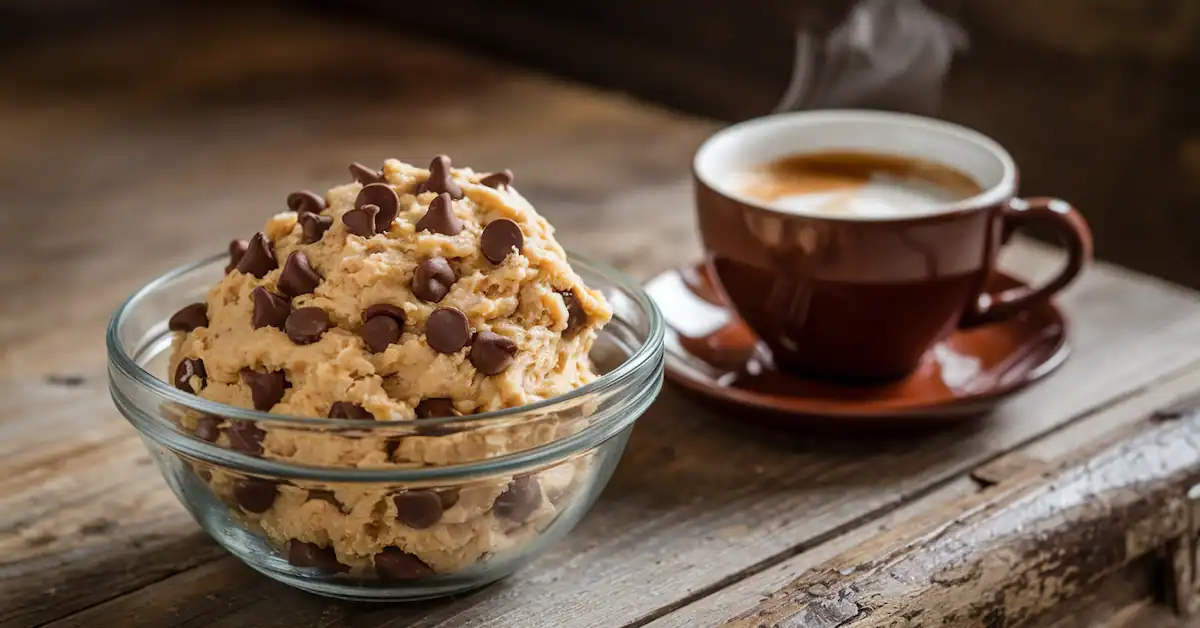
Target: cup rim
{"type": "Point", "coordinates": [1000, 192]}
{"type": "Point", "coordinates": [127, 365]}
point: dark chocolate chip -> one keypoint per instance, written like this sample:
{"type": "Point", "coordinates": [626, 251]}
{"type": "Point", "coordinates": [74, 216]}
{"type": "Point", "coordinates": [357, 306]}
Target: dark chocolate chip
{"type": "Point", "coordinates": [266, 389]}
{"type": "Point", "coordinates": [245, 436]}
{"type": "Point", "coordinates": [418, 509]}
{"type": "Point", "coordinates": [255, 495]}
{"type": "Point", "coordinates": [447, 330]}
{"type": "Point", "coordinates": [313, 227]}
{"type": "Point", "coordinates": [519, 500]}
{"type": "Point", "coordinates": [237, 249]}
{"type": "Point", "coordinates": [189, 318]}
{"type": "Point", "coordinates": [434, 408]}
{"type": "Point", "coordinates": [492, 353]}
{"type": "Point", "coordinates": [365, 175]}
{"type": "Point", "coordinates": [298, 276]}
{"type": "Point", "coordinates": [385, 309]}
{"type": "Point", "coordinates": [305, 325]}
{"type": "Point", "coordinates": [186, 370]}
{"type": "Point", "coordinates": [306, 202]}
{"type": "Point", "coordinates": [207, 428]}
{"type": "Point", "coordinates": [440, 180]}
{"type": "Point", "coordinates": [379, 332]}
{"type": "Point", "coordinates": [394, 563]}
{"type": "Point", "coordinates": [361, 221]}
{"type": "Point", "coordinates": [270, 309]}
{"type": "Point", "coordinates": [259, 258]}
{"type": "Point", "coordinates": [576, 317]}
{"type": "Point", "coordinates": [504, 178]}
{"type": "Point", "coordinates": [383, 324]}
{"type": "Point", "coordinates": [449, 497]}
{"type": "Point", "coordinates": [302, 554]}
{"type": "Point", "coordinates": [499, 238]}
{"type": "Point", "coordinates": [433, 279]}
{"type": "Point", "coordinates": [347, 410]}
{"type": "Point", "coordinates": [384, 197]}
{"type": "Point", "coordinates": [440, 218]}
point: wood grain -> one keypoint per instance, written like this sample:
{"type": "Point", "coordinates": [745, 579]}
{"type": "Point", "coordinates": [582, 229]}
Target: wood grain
{"type": "Point", "coordinates": [1011, 559]}
{"type": "Point", "coordinates": [1042, 456]}
{"type": "Point", "coordinates": [208, 136]}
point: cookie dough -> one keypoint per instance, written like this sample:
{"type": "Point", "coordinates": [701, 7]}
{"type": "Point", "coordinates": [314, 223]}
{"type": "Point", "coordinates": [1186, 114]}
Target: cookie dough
{"type": "Point", "coordinates": [407, 293]}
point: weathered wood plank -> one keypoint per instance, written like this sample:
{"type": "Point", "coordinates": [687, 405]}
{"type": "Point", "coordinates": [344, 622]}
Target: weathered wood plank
{"type": "Point", "coordinates": [1043, 455]}
{"type": "Point", "coordinates": [1009, 560]}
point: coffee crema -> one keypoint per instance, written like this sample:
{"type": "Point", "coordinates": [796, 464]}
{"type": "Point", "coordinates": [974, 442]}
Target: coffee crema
{"type": "Point", "coordinates": [849, 184]}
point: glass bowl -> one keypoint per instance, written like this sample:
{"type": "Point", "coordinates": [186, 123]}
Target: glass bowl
{"type": "Point", "coordinates": [395, 510]}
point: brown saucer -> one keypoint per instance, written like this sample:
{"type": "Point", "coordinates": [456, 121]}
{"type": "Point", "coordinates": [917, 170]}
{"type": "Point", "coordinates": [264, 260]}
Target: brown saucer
{"type": "Point", "coordinates": [712, 353]}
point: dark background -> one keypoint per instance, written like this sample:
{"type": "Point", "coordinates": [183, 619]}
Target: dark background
{"type": "Point", "coordinates": [1098, 100]}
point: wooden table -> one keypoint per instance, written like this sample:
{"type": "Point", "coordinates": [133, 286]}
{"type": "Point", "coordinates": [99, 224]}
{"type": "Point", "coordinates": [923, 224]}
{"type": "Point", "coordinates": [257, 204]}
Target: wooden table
{"type": "Point", "coordinates": [130, 153]}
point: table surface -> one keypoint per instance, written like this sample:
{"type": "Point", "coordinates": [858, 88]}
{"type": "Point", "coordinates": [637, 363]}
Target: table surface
{"type": "Point", "coordinates": [117, 165]}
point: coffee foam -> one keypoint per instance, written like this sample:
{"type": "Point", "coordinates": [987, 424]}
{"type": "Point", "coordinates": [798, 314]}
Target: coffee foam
{"type": "Point", "coordinates": [855, 186]}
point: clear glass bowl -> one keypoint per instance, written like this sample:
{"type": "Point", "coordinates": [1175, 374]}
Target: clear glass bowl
{"type": "Point", "coordinates": [492, 491]}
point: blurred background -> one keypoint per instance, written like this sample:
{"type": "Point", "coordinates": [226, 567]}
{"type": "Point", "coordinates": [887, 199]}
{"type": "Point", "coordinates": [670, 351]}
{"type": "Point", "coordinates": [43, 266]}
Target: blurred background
{"type": "Point", "coordinates": [1099, 100]}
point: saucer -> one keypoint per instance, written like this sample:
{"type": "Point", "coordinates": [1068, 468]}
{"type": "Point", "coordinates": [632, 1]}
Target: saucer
{"type": "Point", "coordinates": [712, 353]}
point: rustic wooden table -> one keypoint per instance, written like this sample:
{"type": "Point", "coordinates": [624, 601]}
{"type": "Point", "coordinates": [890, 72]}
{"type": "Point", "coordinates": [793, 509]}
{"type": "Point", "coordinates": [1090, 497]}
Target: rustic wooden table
{"type": "Point", "coordinates": [128, 153]}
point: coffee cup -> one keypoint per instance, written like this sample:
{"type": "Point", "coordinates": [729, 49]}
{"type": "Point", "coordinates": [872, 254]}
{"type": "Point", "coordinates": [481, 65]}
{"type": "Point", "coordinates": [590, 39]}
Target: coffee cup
{"type": "Point", "coordinates": [851, 242]}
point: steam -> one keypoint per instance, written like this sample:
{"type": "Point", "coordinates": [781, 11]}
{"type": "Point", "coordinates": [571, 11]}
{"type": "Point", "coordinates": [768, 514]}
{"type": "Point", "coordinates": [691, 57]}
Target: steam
{"type": "Point", "coordinates": [887, 54]}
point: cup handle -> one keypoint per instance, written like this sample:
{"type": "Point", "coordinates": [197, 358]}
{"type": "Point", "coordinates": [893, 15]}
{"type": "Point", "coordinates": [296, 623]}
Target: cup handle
{"type": "Point", "coordinates": [1071, 229]}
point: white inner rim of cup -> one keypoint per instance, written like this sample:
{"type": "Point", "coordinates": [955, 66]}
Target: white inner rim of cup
{"type": "Point", "coordinates": [730, 153]}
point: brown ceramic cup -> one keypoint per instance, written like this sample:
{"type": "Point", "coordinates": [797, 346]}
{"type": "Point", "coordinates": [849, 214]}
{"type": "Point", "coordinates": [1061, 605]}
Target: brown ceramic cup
{"type": "Point", "coordinates": [852, 297]}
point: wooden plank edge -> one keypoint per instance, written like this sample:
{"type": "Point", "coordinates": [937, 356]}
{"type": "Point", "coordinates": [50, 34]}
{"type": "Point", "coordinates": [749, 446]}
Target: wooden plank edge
{"type": "Point", "coordinates": [1018, 553]}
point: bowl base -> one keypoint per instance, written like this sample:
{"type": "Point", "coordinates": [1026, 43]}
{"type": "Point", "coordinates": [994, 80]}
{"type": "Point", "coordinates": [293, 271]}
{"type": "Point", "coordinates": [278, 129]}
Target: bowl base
{"type": "Point", "coordinates": [356, 592]}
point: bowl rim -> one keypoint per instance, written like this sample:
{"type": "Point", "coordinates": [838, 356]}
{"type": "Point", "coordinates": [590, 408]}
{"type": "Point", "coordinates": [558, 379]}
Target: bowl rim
{"type": "Point", "coordinates": [121, 360]}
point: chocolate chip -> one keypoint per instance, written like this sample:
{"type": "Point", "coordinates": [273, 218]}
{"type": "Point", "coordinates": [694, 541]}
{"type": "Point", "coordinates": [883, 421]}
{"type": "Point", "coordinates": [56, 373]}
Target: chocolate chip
{"type": "Point", "coordinates": [302, 554]}
{"type": "Point", "coordinates": [313, 227]}
{"type": "Point", "coordinates": [237, 249]}
{"type": "Point", "coordinates": [245, 436]}
{"type": "Point", "coordinates": [306, 202]}
{"type": "Point", "coordinates": [576, 317]}
{"type": "Point", "coordinates": [440, 218]}
{"type": "Point", "coordinates": [365, 175]}
{"type": "Point", "coordinates": [499, 238]}
{"type": "Point", "coordinates": [298, 276]}
{"type": "Point", "coordinates": [255, 495]}
{"type": "Point", "coordinates": [492, 353]}
{"type": "Point", "coordinates": [447, 330]}
{"type": "Point", "coordinates": [207, 428]}
{"type": "Point", "coordinates": [434, 408]}
{"type": "Point", "coordinates": [270, 309]}
{"type": "Point", "coordinates": [449, 497]}
{"type": "Point", "coordinates": [440, 180]}
{"type": "Point", "coordinates": [519, 500]}
{"type": "Point", "coordinates": [433, 279]}
{"type": "Point", "coordinates": [384, 197]}
{"type": "Point", "coordinates": [347, 410]}
{"type": "Point", "coordinates": [418, 509]}
{"type": "Point", "coordinates": [504, 178]}
{"type": "Point", "coordinates": [305, 325]}
{"type": "Point", "coordinates": [383, 324]}
{"type": "Point", "coordinates": [189, 318]}
{"type": "Point", "coordinates": [361, 221]}
{"type": "Point", "coordinates": [385, 309]}
{"type": "Point", "coordinates": [186, 370]}
{"type": "Point", "coordinates": [266, 389]}
{"type": "Point", "coordinates": [259, 258]}
{"type": "Point", "coordinates": [394, 563]}
{"type": "Point", "coordinates": [379, 332]}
